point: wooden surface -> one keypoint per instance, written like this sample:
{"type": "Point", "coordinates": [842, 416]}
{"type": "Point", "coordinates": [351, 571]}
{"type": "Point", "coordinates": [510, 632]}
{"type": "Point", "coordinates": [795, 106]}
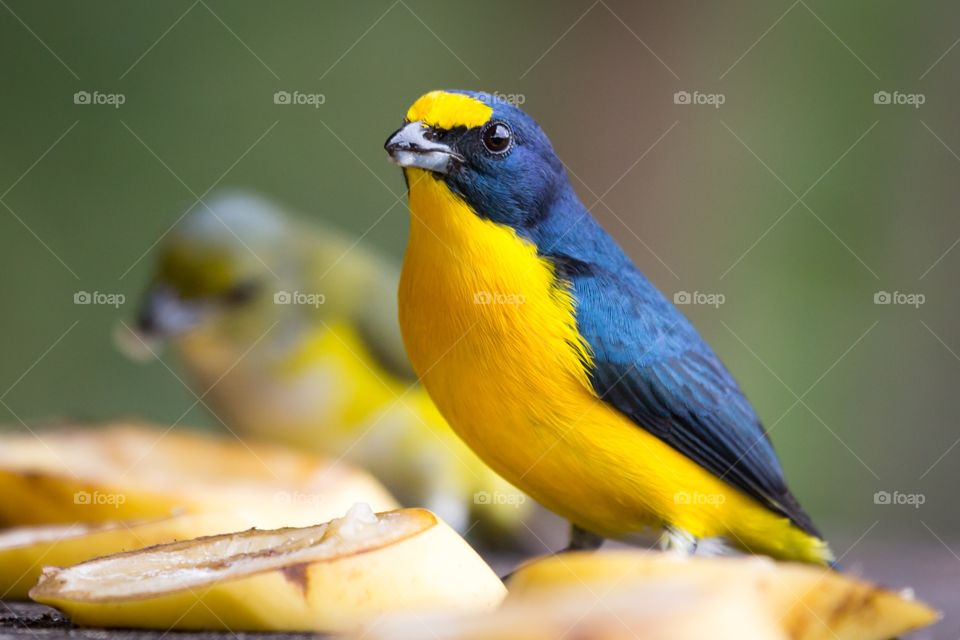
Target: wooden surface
{"type": "Point", "coordinates": [34, 621]}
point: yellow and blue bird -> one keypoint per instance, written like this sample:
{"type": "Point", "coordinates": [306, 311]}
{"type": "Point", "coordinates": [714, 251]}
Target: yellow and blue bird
{"type": "Point", "coordinates": [558, 362]}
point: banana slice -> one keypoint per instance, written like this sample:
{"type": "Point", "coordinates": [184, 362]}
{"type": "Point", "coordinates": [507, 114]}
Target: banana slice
{"type": "Point", "coordinates": [137, 472]}
{"type": "Point", "coordinates": [24, 550]}
{"type": "Point", "coordinates": [670, 610]}
{"type": "Point", "coordinates": [322, 578]}
{"type": "Point", "coordinates": [809, 602]}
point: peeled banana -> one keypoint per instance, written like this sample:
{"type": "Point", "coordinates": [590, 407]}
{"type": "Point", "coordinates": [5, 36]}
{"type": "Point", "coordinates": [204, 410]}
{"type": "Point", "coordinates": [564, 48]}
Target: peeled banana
{"type": "Point", "coordinates": [136, 472]}
{"type": "Point", "coordinates": [630, 594]}
{"type": "Point", "coordinates": [809, 603]}
{"type": "Point", "coordinates": [327, 577]}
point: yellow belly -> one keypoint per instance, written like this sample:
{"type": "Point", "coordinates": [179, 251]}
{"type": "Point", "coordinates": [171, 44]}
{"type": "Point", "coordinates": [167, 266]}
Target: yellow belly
{"type": "Point", "coordinates": [496, 345]}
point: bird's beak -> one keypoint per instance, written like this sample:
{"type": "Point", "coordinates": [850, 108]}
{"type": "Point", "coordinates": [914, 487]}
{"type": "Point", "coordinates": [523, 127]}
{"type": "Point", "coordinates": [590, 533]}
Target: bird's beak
{"type": "Point", "coordinates": [409, 147]}
{"type": "Point", "coordinates": [164, 313]}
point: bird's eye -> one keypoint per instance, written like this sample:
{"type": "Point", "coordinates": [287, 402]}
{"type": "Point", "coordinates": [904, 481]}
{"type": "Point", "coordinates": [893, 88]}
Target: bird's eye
{"type": "Point", "coordinates": [497, 137]}
{"type": "Point", "coordinates": [241, 293]}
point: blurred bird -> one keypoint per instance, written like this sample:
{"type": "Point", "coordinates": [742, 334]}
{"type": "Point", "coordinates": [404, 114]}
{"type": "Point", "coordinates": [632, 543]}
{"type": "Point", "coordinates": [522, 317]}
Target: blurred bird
{"type": "Point", "coordinates": [558, 362]}
{"type": "Point", "coordinates": [289, 331]}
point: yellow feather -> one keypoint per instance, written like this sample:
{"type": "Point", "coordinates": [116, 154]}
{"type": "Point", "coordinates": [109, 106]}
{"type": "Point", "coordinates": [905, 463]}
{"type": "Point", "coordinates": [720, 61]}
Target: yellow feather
{"type": "Point", "coordinates": [449, 110]}
{"type": "Point", "coordinates": [494, 340]}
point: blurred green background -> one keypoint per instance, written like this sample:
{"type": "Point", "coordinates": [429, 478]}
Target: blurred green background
{"type": "Point", "coordinates": [704, 198]}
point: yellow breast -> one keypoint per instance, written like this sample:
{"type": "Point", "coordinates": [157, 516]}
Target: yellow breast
{"type": "Point", "coordinates": [480, 311]}
{"type": "Point", "coordinates": [493, 336]}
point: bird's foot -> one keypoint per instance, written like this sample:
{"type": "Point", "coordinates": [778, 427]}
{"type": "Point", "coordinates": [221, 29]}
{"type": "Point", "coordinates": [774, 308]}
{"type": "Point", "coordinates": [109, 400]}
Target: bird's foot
{"type": "Point", "coordinates": [582, 540]}
{"type": "Point", "coordinates": [678, 541]}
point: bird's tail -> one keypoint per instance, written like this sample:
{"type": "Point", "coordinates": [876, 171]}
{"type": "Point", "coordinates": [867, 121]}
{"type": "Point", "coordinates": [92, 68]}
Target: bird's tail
{"type": "Point", "coordinates": [797, 545]}
{"type": "Point", "coordinates": [781, 539]}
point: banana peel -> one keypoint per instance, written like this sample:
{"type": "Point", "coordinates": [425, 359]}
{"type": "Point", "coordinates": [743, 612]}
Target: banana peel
{"type": "Point", "coordinates": [327, 577]}
{"type": "Point", "coordinates": [25, 550]}
{"type": "Point", "coordinates": [809, 603]}
{"type": "Point", "coordinates": [126, 471]}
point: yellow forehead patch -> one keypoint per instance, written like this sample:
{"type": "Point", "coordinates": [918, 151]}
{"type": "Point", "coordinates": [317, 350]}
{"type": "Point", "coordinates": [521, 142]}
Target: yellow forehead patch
{"type": "Point", "coordinates": [449, 110]}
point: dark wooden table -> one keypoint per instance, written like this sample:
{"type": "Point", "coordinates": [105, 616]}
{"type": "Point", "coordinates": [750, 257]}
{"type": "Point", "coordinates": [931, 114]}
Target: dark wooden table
{"type": "Point", "coordinates": [26, 620]}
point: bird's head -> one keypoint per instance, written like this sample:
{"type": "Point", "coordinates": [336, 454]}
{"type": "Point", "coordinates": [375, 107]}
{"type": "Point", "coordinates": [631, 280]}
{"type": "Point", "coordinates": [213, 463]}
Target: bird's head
{"type": "Point", "coordinates": [213, 266]}
{"type": "Point", "coordinates": [487, 151]}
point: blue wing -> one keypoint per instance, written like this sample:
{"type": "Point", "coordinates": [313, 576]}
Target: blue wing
{"type": "Point", "coordinates": [652, 365]}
